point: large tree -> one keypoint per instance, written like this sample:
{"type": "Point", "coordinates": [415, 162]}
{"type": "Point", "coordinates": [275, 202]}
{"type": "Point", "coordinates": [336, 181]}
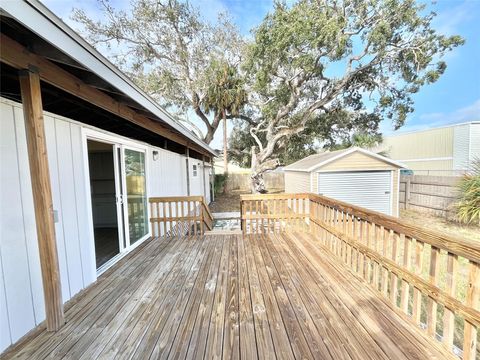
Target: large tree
{"type": "Point", "coordinates": [168, 49]}
{"type": "Point", "coordinates": [323, 56]}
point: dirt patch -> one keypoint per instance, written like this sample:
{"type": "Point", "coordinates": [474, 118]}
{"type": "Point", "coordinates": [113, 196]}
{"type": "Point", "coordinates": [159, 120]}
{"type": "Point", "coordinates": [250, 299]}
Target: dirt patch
{"type": "Point", "coordinates": [227, 202]}
{"type": "Point", "coordinates": [468, 232]}
{"type": "Point", "coordinates": [230, 201]}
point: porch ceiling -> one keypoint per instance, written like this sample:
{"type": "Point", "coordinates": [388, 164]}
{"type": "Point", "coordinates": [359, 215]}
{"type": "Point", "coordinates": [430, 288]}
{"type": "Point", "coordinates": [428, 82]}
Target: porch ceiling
{"type": "Point", "coordinates": [268, 296]}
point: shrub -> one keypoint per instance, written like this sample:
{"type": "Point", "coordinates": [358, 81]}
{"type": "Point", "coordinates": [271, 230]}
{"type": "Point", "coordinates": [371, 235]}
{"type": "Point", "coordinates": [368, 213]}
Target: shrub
{"type": "Point", "coordinates": [219, 183]}
{"type": "Point", "coordinates": [468, 206]}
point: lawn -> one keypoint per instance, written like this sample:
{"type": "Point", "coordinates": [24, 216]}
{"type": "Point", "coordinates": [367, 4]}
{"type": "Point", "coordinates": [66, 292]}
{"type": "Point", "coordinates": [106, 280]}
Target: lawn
{"type": "Point", "coordinates": [448, 227]}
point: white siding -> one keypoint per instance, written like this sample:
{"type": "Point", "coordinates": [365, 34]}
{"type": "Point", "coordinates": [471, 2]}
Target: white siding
{"type": "Point", "coordinates": [167, 175]}
{"type": "Point", "coordinates": [474, 142]}
{"type": "Point", "coordinates": [369, 189]}
{"type": "Point", "coordinates": [461, 146]}
{"type": "Point", "coordinates": [206, 183]}
{"type": "Point", "coordinates": [21, 297]}
{"type": "Point", "coordinates": [297, 182]}
{"type": "Point", "coordinates": [21, 292]}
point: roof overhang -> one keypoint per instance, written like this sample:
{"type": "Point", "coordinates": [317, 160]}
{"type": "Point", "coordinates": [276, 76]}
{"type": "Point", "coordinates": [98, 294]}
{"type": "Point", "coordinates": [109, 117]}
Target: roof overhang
{"type": "Point", "coordinates": [39, 20]}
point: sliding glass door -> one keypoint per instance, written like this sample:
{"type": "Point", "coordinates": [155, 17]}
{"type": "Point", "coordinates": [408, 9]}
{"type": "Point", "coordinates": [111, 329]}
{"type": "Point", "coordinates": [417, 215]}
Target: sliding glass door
{"type": "Point", "coordinates": [118, 188]}
{"type": "Point", "coordinates": [135, 194]}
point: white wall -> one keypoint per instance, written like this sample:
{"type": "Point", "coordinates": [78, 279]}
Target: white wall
{"type": "Point", "coordinates": [21, 292]}
{"type": "Point", "coordinates": [22, 302]}
{"type": "Point", "coordinates": [474, 142]}
{"type": "Point", "coordinates": [167, 176]}
{"type": "Point", "coordinates": [206, 183]}
{"type": "Point", "coordinates": [461, 146]}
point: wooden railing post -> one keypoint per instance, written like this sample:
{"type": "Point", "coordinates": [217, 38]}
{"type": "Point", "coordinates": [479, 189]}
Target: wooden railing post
{"type": "Point", "coordinates": [42, 197]}
{"type": "Point", "coordinates": [473, 299]}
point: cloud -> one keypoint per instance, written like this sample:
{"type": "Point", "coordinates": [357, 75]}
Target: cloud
{"type": "Point", "coordinates": [431, 120]}
{"type": "Point", "coordinates": [467, 113]}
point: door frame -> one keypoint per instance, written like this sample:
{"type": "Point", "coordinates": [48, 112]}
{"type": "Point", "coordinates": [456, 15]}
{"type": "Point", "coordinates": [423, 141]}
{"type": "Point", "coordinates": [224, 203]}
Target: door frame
{"type": "Point", "coordinates": [118, 142]}
{"type": "Point", "coordinates": [143, 149]}
{"type": "Point", "coordinates": [319, 172]}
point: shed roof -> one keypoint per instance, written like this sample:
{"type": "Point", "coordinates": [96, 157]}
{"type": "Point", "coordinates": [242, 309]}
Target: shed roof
{"type": "Point", "coordinates": [315, 161]}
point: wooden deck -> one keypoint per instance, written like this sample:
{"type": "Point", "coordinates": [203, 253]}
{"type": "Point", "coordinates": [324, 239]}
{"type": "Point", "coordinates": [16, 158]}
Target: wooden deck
{"type": "Point", "coordinates": [264, 296]}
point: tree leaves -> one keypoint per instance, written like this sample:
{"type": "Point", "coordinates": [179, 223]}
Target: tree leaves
{"type": "Point", "coordinates": [167, 48]}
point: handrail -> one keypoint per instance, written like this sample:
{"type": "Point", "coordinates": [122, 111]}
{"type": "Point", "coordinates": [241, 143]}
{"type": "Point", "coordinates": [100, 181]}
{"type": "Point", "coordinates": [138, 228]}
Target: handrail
{"type": "Point", "coordinates": [467, 249]}
{"type": "Point", "coordinates": [207, 216]}
{"type": "Point", "coordinates": [273, 212]}
{"type": "Point", "coordinates": [179, 215]}
{"type": "Point", "coordinates": [418, 270]}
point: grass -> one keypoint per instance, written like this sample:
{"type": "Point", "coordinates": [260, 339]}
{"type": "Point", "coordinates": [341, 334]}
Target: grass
{"type": "Point", "coordinates": [467, 232]}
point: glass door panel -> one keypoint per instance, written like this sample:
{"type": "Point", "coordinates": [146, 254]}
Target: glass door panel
{"type": "Point", "coordinates": [136, 193]}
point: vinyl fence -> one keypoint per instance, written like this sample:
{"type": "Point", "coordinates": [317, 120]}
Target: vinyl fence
{"type": "Point", "coordinates": [429, 194]}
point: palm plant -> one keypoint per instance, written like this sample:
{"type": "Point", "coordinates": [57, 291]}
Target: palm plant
{"type": "Point", "coordinates": [225, 94]}
{"type": "Point", "coordinates": [468, 206]}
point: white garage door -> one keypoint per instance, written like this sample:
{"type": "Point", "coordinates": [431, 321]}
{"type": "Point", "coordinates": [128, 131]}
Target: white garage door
{"type": "Point", "coordinates": [368, 189]}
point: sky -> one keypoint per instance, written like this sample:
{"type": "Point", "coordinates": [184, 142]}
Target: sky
{"type": "Point", "coordinates": [454, 98]}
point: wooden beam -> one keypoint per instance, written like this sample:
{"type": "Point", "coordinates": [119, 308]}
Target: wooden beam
{"type": "Point", "coordinates": [16, 55]}
{"type": "Point", "coordinates": [187, 160]}
{"type": "Point", "coordinates": [42, 197]}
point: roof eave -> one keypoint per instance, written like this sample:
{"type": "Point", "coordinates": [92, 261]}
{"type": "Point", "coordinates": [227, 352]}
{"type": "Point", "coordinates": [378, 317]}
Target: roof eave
{"type": "Point", "coordinates": [55, 31]}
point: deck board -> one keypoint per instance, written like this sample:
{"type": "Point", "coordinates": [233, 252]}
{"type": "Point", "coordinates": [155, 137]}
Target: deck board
{"type": "Point", "coordinates": [277, 296]}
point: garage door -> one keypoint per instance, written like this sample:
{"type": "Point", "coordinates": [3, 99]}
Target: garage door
{"type": "Point", "coordinates": [369, 189]}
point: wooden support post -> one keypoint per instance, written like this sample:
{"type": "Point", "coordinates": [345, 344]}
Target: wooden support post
{"type": "Point", "coordinates": [42, 197]}
{"type": "Point", "coordinates": [407, 194]}
{"type": "Point", "coordinates": [188, 169]}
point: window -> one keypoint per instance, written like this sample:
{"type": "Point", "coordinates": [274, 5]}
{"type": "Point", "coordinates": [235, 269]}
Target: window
{"type": "Point", "coordinates": [195, 170]}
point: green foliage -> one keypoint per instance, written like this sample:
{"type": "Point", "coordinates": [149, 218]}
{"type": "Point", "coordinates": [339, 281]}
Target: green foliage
{"type": "Point", "coordinates": [319, 57]}
{"type": "Point", "coordinates": [315, 72]}
{"type": "Point", "coordinates": [169, 50]}
{"type": "Point", "coordinates": [363, 139]}
{"type": "Point", "coordinates": [332, 130]}
{"type": "Point", "coordinates": [226, 89]}
{"type": "Point", "coordinates": [468, 206]}
{"type": "Point", "coordinates": [219, 183]}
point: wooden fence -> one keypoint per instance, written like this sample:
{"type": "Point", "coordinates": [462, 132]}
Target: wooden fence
{"type": "Point", "coordinates": [273, 180]}
{"type": "Point", "coordinates": [430, 278]}
{"type": "Point", "coordinates": [179, 216]}
{"type": "Point", "coordinates": [429, 194]}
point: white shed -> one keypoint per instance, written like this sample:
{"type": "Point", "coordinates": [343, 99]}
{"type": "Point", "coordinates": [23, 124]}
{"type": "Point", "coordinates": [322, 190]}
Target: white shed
{"type": "Point", "coordinates": [357, 176]}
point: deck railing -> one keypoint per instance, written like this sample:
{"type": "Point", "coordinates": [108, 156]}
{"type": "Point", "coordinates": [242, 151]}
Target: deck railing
{"type": "Point", "coordinates": [274, 212]}
{"type": "Point", "coordinates": [179, 216]}
{"type": "Point", "coordinates": [428, 277]}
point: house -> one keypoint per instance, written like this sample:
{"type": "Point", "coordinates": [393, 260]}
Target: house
{"type": "Point", "coordinates": [353, 175]}
{"type": "Point", "coordinates": [447, 150]}
{"type": "Point", "coordinates": [82, 150]}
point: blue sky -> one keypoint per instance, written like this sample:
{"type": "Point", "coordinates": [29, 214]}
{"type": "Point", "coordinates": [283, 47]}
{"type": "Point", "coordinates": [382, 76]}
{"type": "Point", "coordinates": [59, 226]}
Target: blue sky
{"type": "Point", "coordinates": [454, 98]}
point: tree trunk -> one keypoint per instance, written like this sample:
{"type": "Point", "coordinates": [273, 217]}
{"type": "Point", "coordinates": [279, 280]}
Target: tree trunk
{"type": "Point", "coordinates": [225, 139]}
{"type": "Point", "coordinates": [257, 184]}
